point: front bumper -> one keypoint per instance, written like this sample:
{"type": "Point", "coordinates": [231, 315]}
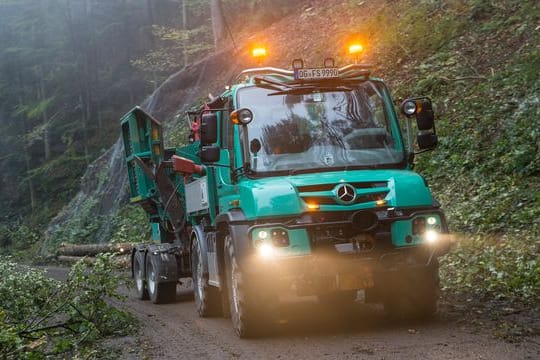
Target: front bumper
{"type": "Point", "coordinates": [327, 252]}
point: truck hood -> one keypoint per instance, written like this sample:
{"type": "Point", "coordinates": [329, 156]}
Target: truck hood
{"type": "Point", "coordinates": [290, 195]}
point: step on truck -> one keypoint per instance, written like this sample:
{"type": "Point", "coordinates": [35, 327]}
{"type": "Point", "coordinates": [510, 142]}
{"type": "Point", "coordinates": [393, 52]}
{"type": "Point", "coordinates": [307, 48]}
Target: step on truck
{"type": "Point", "coordinates": [292, 181]}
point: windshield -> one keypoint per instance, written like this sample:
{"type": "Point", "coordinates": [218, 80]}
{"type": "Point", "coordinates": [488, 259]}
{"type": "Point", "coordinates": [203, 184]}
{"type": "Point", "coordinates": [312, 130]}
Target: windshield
{"type": "Point", "coordinates": [327, 129]}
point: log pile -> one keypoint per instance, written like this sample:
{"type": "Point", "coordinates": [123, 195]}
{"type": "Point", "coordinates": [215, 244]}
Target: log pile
{"type": "Point", "coordinates": [71, 253]}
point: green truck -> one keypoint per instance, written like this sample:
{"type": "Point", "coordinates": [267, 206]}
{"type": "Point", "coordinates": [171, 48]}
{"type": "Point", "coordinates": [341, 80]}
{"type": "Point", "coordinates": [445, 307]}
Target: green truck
{"type": "Point", "coordinates": [293, 181]}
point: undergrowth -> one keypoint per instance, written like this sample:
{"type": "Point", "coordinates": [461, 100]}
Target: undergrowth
{"type": "Point", "coordinates": [478, 60]}
{"type": "Point", "coordinates": [41, 317]}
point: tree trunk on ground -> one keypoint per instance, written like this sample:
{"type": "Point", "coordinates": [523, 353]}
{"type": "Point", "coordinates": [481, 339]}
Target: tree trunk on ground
{"type": "Point", "coordinates": [93, 249]}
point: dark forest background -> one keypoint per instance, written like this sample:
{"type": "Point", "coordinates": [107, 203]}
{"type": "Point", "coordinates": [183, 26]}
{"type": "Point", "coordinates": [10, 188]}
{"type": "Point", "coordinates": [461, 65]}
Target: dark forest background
{"type": "Point", "coordinates": [70, 68]}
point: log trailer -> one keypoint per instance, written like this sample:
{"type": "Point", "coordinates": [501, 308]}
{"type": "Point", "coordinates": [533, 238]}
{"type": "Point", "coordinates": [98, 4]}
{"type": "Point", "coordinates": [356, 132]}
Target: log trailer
{"type": "Point", "coordinates": [293, 181]}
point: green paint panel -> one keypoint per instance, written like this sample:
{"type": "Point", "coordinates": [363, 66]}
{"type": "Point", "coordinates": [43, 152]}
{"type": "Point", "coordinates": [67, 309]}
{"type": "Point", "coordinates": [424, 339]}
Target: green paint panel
{"type": "Point", "coordinates": [278, 196]}
{"type": "Point", "coordinates": [156, 233]}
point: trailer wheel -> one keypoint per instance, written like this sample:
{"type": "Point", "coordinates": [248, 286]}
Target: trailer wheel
{"type": "Point", "coordinates": [159, 293]}
{"type": "Point", "coordinates": [207, 298]}
{"type": "Point", "coordinates": [138, 275]}
{"type": "Point", "coordinates": [415, 296]}
{"type": "Point", "coordinates": [244, 314]}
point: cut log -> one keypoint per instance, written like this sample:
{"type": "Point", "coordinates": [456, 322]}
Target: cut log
{"type": "Point", "coordinates": [93, 249]}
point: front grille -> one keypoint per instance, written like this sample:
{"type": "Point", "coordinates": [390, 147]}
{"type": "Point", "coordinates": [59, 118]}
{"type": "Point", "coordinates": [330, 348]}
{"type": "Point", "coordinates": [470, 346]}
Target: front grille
{"type": "Point", "coordinates": [322, 194]}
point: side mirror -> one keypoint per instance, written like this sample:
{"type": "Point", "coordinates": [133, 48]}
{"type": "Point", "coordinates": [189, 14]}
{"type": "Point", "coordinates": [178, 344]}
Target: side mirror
{"type": "Point", "coordinates": [209, 129]}
{"type": "Point", "coordinates": [422, 109]}
{"type": "Point", "coordinates": [427, 140]}
{"type": "Point", "coordinates": [209, 154]}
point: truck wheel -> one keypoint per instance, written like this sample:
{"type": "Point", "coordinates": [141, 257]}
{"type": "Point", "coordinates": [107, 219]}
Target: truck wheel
{"type": "Point", "coordinates": [415, 297]}
{"type": "Point", "coordinates": [242, 304]}
{"type": "Point", "coordinates": [159, 293]}
{"type": "Point", "coordinates": [207, 298]}
{"type": "Point", "coordinates": [138, 275]}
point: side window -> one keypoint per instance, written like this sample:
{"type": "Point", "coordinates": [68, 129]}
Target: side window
{"type": "Point", "coordinates": [226, 128]}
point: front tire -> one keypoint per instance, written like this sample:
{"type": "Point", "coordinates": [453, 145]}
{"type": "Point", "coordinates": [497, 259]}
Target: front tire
{"type": "Point", "coordinates": [207, 298]}
{"type": "Point", "coordinates": [159, 293]}
{"type": "Point", "coordinates": [415, 296]}
{"type": "Point", "coordinates": [245, 318]}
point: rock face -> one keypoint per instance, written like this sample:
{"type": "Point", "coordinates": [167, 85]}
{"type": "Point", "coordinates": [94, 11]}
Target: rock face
{"type": "Point", "coordinates": [104, 185]}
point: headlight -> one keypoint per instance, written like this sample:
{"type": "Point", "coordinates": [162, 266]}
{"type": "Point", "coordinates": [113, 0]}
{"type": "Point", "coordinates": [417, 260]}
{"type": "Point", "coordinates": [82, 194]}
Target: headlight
{"type": "Point", "coordinates": [265, 250]}
{"type": "Point", "coordinates": [431, 236]}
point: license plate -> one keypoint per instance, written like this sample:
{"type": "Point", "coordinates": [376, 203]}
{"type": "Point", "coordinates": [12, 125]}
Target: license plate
{"type": "Point", "coordinates": [316, 74]}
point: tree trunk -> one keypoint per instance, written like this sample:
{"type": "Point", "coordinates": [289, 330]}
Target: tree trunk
{"type": "Point", "coordinates": [44, 117]}
{"type": "Point", "coordinates": [94, 249]}
{"type": "Point", "coordinates": [218, 21]}
{"type": "Point", "coordinates": [184, 27]}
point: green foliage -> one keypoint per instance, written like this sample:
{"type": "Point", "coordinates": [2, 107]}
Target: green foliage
{"type": "Point", "coordinates": [130, 225]}
{"type": "Point", "coordinates": [19, 241]}
{"type": "Point", "coordinates": [80, 229]}
{"type": "Point", "coordinates": [493, 267]}
{"type": "Point", "coordinates": [486, 169]}
{"type": "Point", "coordinates": [42, 317]}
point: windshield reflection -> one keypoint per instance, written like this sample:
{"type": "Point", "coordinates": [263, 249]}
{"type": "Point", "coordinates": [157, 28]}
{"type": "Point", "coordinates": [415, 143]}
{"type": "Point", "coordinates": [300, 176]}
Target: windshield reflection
{"type": "Point", "coordinates": [320, 129]}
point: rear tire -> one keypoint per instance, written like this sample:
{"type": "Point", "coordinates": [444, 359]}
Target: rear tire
{"type": "Point", "coordinates": [207, 298]}
{"type": "Point", "coordinates": [159, 293]}
{"type": "Point", "coordinates": [138, 266]}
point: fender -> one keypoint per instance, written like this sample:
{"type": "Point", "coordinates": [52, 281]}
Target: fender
{"type": "Point", "coordinates": [203, 246]}
{"type": "Point", "coordinates": [163, 257]}
{"type": "Point", "coordinates": [238, 226]}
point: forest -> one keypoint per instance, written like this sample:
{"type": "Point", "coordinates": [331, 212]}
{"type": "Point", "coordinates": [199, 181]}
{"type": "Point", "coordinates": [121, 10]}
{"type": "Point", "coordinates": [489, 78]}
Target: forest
{"type": "Point", "coordinates": [69, 69]}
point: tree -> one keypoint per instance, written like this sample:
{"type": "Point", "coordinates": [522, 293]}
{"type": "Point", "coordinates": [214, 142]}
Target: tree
{"type": "Point", "coordinates": [218, 22]}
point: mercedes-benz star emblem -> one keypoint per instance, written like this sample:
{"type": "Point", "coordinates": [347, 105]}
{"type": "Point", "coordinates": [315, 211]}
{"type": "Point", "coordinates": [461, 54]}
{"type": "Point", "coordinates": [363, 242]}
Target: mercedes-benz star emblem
{"type": "Point", "coordinates": [346, 193]}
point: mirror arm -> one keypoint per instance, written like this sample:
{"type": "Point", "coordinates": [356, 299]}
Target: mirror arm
{"type": "Point", "coordinates": [422, 151]}
{"type": "Point", "coordinates": [410, 136]}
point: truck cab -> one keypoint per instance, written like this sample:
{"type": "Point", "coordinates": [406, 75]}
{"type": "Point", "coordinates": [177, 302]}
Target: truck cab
{"type": "Point", "coordinates": [298, 181]}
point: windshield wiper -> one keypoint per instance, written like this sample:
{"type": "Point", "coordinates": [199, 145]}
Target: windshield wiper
{"type": "Point", "coordinates": [266, 83]}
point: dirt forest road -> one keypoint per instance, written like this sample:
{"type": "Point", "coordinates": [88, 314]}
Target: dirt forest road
{"type": "Point", "coordinates": [174, 331]}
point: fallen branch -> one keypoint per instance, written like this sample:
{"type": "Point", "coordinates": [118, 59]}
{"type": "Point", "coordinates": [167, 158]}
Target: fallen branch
{"type": "Point", "coordinates": [479, 77]}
